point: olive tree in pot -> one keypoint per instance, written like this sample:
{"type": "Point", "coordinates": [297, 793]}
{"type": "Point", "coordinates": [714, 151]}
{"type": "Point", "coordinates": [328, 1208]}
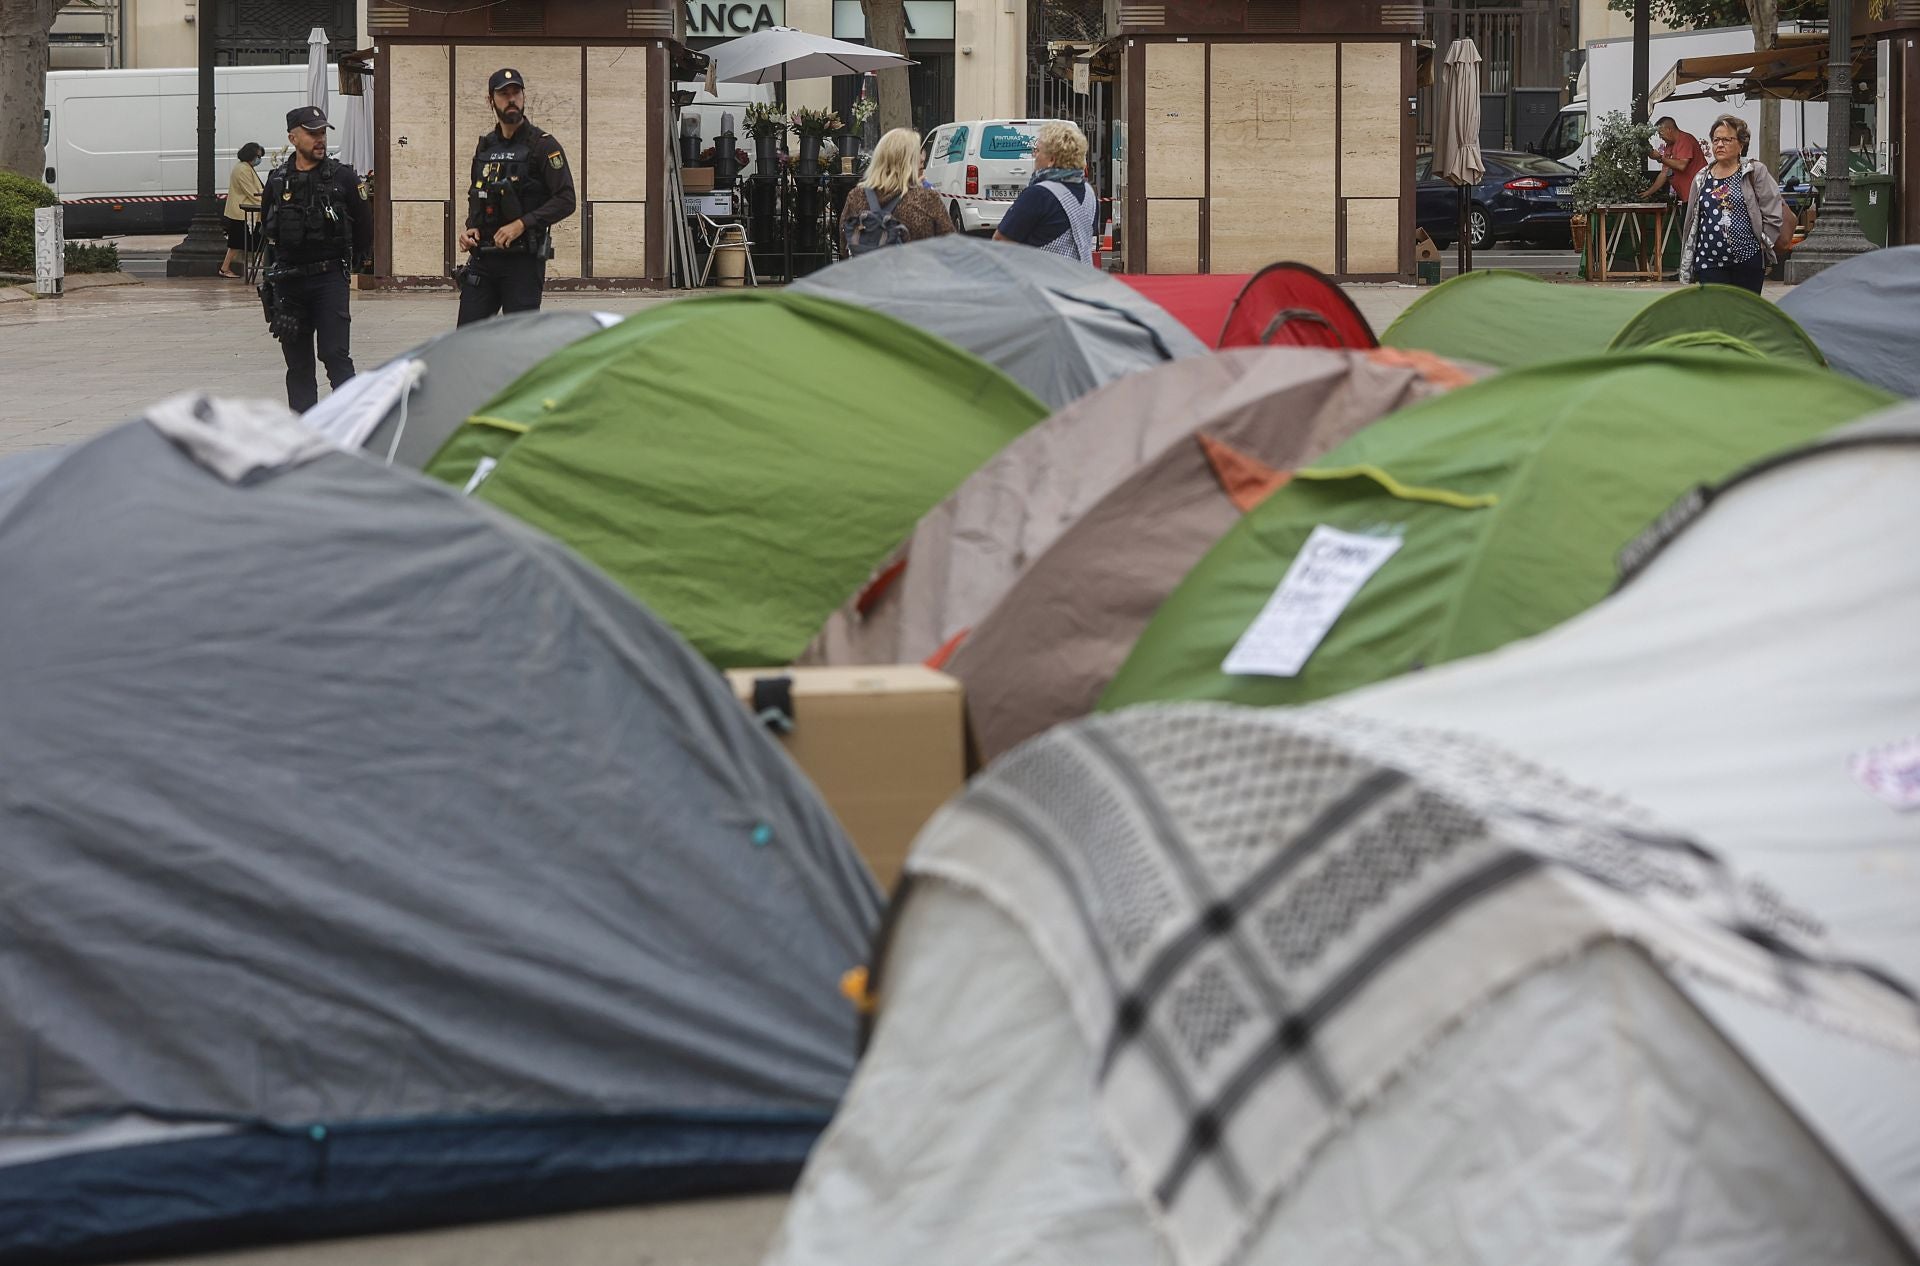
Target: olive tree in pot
{"type": "Point", "coordinates": [1618, 172]}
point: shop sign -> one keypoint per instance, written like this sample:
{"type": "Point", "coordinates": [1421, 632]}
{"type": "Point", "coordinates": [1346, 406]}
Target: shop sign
{"type": "Point", "coordinates": [734, 19]}
{"type": "Point", "coordinates": [926, 20]}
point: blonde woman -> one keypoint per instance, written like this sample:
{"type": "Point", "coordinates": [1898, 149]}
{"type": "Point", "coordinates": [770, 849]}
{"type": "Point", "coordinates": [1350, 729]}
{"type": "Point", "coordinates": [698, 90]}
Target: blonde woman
{"type": "Point", "coordinates": [1057, 211]}
{"type": "Point", "coordinates": [890, 206]}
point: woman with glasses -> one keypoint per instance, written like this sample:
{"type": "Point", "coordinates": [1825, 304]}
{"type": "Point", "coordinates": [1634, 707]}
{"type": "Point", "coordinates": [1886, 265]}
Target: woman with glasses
{"type": "Point", "coordinates": [1734, 214]}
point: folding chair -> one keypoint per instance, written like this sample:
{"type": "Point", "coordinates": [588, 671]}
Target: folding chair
{"type": "Point", "coordinates": [717, 235]}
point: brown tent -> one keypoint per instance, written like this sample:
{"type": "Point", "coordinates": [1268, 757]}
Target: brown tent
{"type": "Point", "coordinates": [1043, 566]}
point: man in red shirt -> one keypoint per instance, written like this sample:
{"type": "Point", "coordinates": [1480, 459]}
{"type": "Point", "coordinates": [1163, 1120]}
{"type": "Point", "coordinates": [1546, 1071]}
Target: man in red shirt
{"type": "Point", "coordinates": [1680, 161]}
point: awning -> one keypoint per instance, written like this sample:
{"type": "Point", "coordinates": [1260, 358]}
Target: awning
{"type": "Point", "coordinates": [1795, 69]}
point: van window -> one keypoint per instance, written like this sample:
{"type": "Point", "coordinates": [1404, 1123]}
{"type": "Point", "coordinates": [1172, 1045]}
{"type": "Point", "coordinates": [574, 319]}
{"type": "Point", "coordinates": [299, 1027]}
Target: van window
{"type": "Point", "coordinates": [1564, 137]}
{"type": "Point", "coordinates": [46, 127]}
{"type": "Point", "coordinates": [957, 145]}
{"type": "Point", "coordinates": [1001, 140]}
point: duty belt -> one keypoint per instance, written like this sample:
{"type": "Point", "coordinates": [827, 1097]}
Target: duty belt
{"type": "Point", "coordinates": [305, 270]}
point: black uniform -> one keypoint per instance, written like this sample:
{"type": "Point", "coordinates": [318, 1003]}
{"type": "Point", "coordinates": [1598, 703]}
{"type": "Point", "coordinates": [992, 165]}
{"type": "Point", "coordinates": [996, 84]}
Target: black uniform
{"type": "Point", "coordinates": [525, 178]}
{"type": "Point", "coordinates": [317, 226]}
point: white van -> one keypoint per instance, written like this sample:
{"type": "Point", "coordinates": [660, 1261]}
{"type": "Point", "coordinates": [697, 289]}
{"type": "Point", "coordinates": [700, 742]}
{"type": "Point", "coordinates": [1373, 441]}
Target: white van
{"type": "Point", "coordinates": [122, 146]}
{"type": "Point", "coordinates": [980, 166]}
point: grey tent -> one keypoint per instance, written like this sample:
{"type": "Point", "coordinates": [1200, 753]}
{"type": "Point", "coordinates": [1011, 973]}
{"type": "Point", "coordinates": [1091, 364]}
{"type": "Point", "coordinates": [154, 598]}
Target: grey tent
{"type": "Point", "coordinates": [405, 410]}
{"type": "Point", "coordinates": [1053, 325]}
{"type": "Point", "coordinates": [372, 861]}
{"type": "Point", "coordinates": [1865, 314]}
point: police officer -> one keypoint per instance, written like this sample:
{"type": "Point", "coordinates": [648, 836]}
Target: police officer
{"type": "Point", "coordinates": [318, 227]}
{"type": "Point", "coordinates": [519, 188]}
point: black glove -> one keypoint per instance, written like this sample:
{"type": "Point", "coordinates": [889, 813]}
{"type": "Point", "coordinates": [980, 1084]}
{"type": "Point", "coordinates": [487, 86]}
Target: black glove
{"type": "Point", "coordinates": [287, 322]}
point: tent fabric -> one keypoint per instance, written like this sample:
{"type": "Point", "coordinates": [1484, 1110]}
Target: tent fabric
{"type": "Point", "coordinates": [1500, 317]}
{"type": "Point", "coordinates": [407, 409]}
{"type": "Point", "coordinates": [1863, 313]}
{"type": "Point", "coordinates": [1199, 301]}
{"type": "Point", "coordinates": [1282, 305]}
{"type": "Point", "coordinates": [374, 861]}
{"type": "Point", "coordinates": [1590, 1091]}
{"type": "Point", "coordinates": [1053, 325]}
{"type": "Point", "coordinates": [742, 508]}
{"type": "Point", "coordinates": [1512, 500]}
{"type": "Point", "coordinates": [1066, 622]}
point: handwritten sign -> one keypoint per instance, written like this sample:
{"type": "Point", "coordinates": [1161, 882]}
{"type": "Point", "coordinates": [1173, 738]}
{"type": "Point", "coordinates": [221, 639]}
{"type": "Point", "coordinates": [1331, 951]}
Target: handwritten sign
{"type": "Point", "coordinates": [1891, 773]}
{"type": "Point", "coordinates": [1323, 578]}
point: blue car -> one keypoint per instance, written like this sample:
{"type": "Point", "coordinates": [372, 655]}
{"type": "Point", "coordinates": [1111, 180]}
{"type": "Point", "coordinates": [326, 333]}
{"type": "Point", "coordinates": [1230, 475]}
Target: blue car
{"type": "Point", "coordinates": [1522, 196]}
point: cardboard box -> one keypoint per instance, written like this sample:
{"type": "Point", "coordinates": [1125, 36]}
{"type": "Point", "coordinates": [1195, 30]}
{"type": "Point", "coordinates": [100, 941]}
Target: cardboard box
{"type": "Point", "coordinates": [696, 179]}
{"type": "Point", "coordinates": [885, 747]}
{"type": "Point", "coordinates": [1423, 247]}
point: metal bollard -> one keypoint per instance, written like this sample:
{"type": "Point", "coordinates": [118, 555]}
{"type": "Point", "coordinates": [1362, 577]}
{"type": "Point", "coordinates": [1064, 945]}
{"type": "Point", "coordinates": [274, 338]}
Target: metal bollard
{"type": "Point", "coordinates": [49, 250]}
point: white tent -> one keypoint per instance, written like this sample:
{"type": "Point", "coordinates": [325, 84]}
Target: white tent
{"type": "Point", "coordinates": [1677, 1038]}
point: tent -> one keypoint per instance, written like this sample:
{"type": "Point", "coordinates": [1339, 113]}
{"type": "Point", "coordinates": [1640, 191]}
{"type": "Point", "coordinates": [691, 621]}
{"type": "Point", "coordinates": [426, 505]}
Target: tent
{"type": "Point", "coordinates": [1864, 313]}
{"type": "Point", "coordinates": [1055, 326]}
{"type": "Point", "coordinates": [1030, 583]}
{"type": "Point", "coordinates": [1195, 985]}
{"type": "Point", "coordinates": [739, 462]}
{"type": "Point", "coordinates": [1282, 305]}
{"type": "Point", "coordinates": [1499, 317]}
{"type": "Point", "coordinates": [373, 862]}
{"type": "Point", "coordinates": [1509, 502]}
{"type": "Point", "coordinates": [405, 410]}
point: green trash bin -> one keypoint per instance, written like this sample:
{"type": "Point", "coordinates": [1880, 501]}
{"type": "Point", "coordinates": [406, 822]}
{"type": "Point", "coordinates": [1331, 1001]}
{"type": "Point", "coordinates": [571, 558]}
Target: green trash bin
{"type": "Point", "coordinates": [1872, 203]}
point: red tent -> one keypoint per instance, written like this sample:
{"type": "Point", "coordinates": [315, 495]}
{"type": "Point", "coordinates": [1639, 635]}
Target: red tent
{"type": "Point", "coordinates": [1282, 305]}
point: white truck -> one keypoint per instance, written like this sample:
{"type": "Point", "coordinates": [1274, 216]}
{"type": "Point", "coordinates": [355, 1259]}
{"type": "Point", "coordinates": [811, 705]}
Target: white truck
{"type": "Point", "coordinates": [122, 146]}
{"type": "Point", "coordinates": [1606, 84]}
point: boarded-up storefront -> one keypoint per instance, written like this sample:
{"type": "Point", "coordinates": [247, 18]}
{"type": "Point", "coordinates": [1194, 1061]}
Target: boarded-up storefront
{"type": "Point", "coordinates": [1267, 130]}
{"type": "Point", "coordinates": [598, 79]}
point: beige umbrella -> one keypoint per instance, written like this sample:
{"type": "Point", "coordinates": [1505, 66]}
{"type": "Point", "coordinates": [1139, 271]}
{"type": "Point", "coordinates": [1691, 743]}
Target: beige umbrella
{"type": "Point", "coordinates": [1456, 140]}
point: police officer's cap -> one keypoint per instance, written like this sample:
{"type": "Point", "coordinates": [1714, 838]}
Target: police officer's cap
{"type": "Point", "coordinates": [505, 78]}
{"type": "Point", "coordinates": [312, 118]}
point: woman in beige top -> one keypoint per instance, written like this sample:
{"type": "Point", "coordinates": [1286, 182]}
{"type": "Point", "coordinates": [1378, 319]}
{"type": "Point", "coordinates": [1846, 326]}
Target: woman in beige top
{"type": "Point", "coordinates": [243, 190]}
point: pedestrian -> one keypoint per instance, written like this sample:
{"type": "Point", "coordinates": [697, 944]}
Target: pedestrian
{"type": "Point", "coordinates": [519, 187]}
{"type": "Point", "coordinates": [1680, 159]}
{"type": "Point", "coordinates": [1735, 215]}
{"type": "Point", "coordinates": [890, 205]}
{"type": "Point", "coordinates": [1058, 209]}
{"type": "Point", "coordinates": [243, 190]}
{"type": "Point", "coordinates": [318, 228]}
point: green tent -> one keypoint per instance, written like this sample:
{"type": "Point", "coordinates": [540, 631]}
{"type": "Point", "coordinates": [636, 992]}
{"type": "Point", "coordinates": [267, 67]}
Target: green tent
{"type": "Point", "coordinates": [739, 462]}
{"type": "Point", "coordinates": [1511, 500]}
{"type": "Point", "coordinates": [1506, 319]}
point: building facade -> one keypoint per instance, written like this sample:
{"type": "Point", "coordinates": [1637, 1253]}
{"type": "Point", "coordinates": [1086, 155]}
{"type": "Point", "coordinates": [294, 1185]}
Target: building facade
{"type": "Point", "coordinates": [162, 34]}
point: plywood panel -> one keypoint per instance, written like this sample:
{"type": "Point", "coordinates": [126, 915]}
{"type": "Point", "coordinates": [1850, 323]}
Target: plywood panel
{"type": "Point", "coordinates": [1176, 120]}
{"type": "Point", "coordinates": [554, 93]}
{"type": "Point", "coordinates": [618, 138]}
{"type": "Point", "coordinates": [1371, 117]}
{"type": "Point", "coordinates": [417, 120]}
{"type": "Point", "coordinates": [619, 239]}
{"type": "Point", "coordinates": [1173, 235]}
{"type": "Point", "coordinates": [419, 239]}
{"type": "Point", "coordinates": [1272, 125]}
{"type": "Point", "coordinates": [1373, 235]}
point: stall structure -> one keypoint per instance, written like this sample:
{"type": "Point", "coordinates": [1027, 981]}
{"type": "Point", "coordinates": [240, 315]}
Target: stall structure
{"type": "Point", "coordinates": [598, 75]}
{"type": "Point", "coordinates": [1251, 131]}
{"type": "Point", "coordinates": [1891, 28]}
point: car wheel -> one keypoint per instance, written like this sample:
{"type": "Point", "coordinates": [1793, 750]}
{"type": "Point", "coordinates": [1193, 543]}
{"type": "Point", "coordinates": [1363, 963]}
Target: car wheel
{"type": "Point", "coordinates": [1479, 228]}
{"type": "Point", "coordinates": [959, 221]}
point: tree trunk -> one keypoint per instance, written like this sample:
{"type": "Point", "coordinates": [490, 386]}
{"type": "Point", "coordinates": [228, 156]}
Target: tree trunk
{"type": "Point", "coordinates": [1766, 33]}
{"type": "Point", "coordinates": [23, 84]}
{"type": "Point", "coordinates": [887, 30]}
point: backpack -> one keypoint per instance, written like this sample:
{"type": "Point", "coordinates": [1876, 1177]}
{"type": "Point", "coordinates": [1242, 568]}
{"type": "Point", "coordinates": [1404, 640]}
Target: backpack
{"type": "Point", "coordinates": [873, 228]}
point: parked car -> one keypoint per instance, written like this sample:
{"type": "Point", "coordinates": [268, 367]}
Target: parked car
{"type": "Point", "coordinates": [978, 167]}
{"type": "Point", "coordinates": [1801, 168]}
{"type": "Point", "coordinates": [1521, 196]}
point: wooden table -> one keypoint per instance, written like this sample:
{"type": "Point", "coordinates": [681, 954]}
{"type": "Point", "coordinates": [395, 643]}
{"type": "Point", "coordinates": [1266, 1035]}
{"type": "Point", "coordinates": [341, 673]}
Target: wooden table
{"type": "Point", "coordinates": [1650, 223]}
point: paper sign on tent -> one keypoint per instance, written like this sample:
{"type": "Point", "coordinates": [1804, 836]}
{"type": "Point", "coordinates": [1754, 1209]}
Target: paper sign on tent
{"type": "Point", "coordinates": [1323, 578]}
{"type": "Point", "coordinates": [1892, 773]}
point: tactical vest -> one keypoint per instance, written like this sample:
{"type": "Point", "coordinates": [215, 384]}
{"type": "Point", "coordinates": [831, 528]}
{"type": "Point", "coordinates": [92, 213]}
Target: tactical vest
{"type": "Point", "coordinates": [310, 223]}
{"type": "Point", "coordinates": [503, 187]}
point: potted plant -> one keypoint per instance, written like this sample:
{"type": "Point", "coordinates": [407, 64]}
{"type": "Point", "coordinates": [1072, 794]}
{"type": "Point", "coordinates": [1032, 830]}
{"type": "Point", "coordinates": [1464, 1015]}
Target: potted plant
{"type": "Point", "coordinates": [766, 125]}
{"type": "Point", "coordinates": [812, 127]}
{"type": "Point", "coordinates": [1618, 172]}
{"type": "Point", "coordinates": [863, 110]}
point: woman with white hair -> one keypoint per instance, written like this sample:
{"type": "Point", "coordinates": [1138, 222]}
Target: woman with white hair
{"type": "Point", "coordinates": [1057, 211]}
{"type": "Point", "coordinates": [890, 206]}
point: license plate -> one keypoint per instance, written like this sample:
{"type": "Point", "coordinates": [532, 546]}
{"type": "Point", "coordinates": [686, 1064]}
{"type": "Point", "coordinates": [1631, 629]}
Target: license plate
{"type": "Point", "coordinates": [1003, 193]}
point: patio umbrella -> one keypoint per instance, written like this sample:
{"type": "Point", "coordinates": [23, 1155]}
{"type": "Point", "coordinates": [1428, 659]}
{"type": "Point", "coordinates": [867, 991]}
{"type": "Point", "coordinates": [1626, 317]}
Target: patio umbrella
{"type": "Point", "coordinates": [1456, 140]}
{"type": "Point", "coordinates": [356, 130]}
{"type": "Point", "coordinates": [317, 67]}
{"type": "Point", "coordinates": [780, 53]}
